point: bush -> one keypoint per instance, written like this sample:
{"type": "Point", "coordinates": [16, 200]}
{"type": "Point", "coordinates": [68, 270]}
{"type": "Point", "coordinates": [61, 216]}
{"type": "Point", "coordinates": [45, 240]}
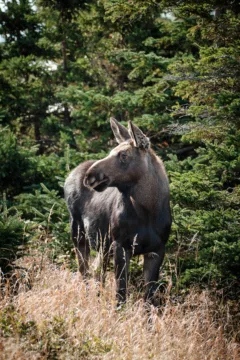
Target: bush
{"type": "Point", "coordinates": [205, 207]}
{"type": "Point", "coordinates": [48, 211]}
{"type": "Point", "coordinates": [17, 168]}
{"type": "Point", "coordinates": [13, 235]}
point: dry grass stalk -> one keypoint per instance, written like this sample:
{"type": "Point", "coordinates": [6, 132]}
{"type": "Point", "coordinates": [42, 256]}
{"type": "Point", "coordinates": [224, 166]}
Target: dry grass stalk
{"type": "Point", "coordinates": [72, 321]}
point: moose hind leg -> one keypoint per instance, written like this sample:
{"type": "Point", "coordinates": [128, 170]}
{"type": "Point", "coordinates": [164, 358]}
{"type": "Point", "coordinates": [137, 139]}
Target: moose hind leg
{"type": "Point", "coordinates": [81, 244]}
{"type": "Point", "coordinates": [100, 266]}
{"type": "Point", "coordinates": [152, 264]}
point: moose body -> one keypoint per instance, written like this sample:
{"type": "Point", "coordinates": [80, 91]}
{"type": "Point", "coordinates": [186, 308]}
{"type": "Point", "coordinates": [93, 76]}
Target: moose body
{"type": "Point", "coordinates": [121, 203]}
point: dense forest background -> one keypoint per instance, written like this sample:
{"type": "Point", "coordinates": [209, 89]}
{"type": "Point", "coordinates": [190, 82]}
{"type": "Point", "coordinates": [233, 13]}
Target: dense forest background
{"type": "Point", "coordinates": [171, 67]}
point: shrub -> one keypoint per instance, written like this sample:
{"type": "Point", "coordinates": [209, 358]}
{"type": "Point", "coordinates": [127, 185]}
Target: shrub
{"type": "Point", "coordinates": [13, 235]}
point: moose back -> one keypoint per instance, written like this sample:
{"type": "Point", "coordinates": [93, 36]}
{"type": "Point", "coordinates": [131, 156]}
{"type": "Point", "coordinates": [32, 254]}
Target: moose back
{"type": "Point", "coordinates": [121, 203]}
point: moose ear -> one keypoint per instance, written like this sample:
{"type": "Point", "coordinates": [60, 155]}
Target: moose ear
{"type": "Point", "coordinates": [120, 132]}
{"type": "Point", "coordinates": [140, 140]}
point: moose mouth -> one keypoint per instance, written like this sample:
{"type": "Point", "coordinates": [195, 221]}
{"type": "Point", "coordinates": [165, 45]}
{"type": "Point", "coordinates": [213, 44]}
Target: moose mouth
{"type": "Point", "coordinates": [99, 185]}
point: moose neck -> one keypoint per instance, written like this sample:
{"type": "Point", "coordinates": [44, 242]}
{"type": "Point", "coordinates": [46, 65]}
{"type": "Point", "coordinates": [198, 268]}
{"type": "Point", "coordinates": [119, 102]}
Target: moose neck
{"type": "Point", "coordinates": [147, 191]}
{"type": "Point", "coordinates": [144, 194]}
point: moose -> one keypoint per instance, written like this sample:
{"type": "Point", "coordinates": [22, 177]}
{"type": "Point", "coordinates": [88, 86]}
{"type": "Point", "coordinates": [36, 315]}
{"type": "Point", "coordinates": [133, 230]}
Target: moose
{"type": "Point", "coordinates": [121, 204]}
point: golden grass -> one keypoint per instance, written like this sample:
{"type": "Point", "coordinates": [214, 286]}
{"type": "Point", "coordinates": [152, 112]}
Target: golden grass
{"type": "Point", "coordinates": [61, 317]}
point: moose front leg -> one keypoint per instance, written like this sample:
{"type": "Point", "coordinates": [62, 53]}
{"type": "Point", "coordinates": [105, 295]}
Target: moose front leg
{"type": "Point", "coordinates": [121, 267]}
{"type": "Point", "coordinates": [81, 244]}
{"type": "Point", "coordinates": [152, 264]}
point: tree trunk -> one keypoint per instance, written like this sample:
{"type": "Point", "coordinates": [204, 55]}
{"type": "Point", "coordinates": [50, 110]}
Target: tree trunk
{"type": "Point", "coordinates": [64, 54]}
{"type": "Point", "coordinates": [66, 113]}
{"type": "Point", "coordinates": [67, 117]}
{"type": "Point", "coordinates": [37, 135]}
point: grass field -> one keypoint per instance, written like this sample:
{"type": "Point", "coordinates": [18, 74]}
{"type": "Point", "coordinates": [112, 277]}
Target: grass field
{"type": "Point", "coordinates": [50, 313]}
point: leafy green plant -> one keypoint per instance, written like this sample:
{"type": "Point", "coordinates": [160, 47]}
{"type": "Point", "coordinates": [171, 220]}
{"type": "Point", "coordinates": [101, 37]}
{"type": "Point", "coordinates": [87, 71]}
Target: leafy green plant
{"type": "Point", "coordinates": [205, 207]}
{"type": "Point", "coordinates": [13, 235]}
{"type": "Point", "coordinates": [47, 210]}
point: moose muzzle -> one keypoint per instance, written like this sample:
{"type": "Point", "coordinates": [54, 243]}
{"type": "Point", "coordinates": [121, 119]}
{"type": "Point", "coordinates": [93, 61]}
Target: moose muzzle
{"type": "Point", "coordinates": [96, 180]}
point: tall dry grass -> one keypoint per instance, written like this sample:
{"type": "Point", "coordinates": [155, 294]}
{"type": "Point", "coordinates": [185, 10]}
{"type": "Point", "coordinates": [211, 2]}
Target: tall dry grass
{"type": "Point", "coordinates": [65, 318]}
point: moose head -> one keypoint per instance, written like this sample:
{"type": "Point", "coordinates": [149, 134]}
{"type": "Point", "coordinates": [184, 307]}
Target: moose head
{"type": "Point", "coordinates": [125, 163]}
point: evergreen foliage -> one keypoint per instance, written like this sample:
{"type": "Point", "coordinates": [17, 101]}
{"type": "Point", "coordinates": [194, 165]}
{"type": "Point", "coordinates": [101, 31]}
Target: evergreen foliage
{"type": "Point", "coordinates": [13, 235]}
{"type": "Point", "coordinates": [173, 68]}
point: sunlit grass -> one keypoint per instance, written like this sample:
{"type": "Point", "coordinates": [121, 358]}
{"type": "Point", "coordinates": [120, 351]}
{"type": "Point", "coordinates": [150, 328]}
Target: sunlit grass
{"type": "Point", "coordinates": [56, 315]}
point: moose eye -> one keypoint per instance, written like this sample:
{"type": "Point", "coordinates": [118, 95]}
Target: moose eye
{"type": "Point", "coordinates": [123, 156]}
